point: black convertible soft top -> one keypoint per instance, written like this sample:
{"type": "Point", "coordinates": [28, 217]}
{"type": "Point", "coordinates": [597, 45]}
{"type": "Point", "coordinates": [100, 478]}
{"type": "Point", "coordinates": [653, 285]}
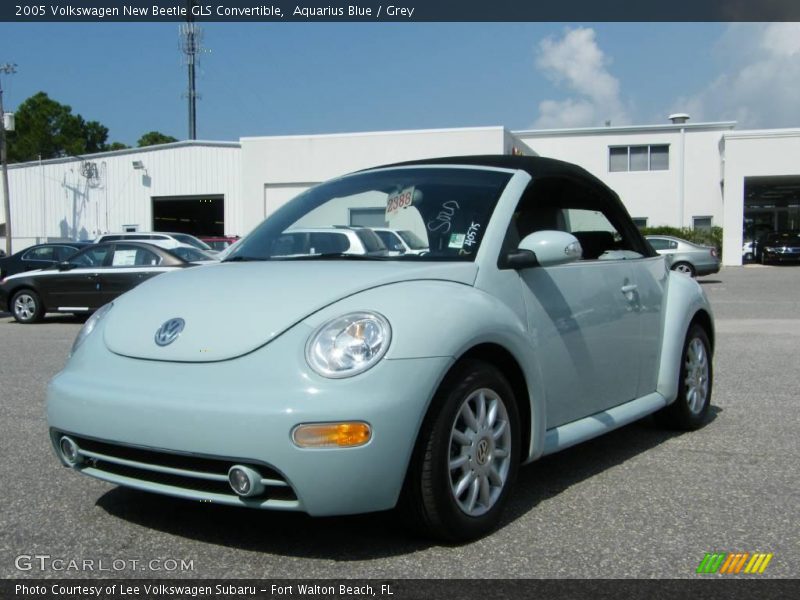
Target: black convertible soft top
{"type": "Point", "coordinates": [539, 167]}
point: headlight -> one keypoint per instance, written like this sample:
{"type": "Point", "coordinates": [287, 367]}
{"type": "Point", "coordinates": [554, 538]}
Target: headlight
{"type": "Point", "coordinates": [348, 345]}
{"type": "Point", "coordinates": [89, 326]}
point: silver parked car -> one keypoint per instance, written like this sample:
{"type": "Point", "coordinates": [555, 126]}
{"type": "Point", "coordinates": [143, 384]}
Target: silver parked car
{"type": "Point", "coordinates": [686, 257]}
{"type": "Point", "coordinates": [345, 382]}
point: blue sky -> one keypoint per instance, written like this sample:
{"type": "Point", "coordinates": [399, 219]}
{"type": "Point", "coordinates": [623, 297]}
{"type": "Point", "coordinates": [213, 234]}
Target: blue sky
{"type": "Point", "coordinates": [279, 79]}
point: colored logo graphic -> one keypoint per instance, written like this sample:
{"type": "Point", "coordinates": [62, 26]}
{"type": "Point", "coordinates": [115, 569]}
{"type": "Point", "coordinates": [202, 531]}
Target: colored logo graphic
{"type": "Point", "coordinates": [734, 563]}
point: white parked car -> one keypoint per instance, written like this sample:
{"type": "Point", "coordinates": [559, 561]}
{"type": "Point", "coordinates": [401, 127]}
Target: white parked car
{"type": "Point", "coordinates": [402, 241]}
{"type": "Point", "coordinates": [163, 239]}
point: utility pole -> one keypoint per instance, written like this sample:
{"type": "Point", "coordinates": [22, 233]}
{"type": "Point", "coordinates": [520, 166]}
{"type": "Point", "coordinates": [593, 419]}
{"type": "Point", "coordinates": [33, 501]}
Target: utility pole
{"type": "Point", "coordinates": [191, 45]}
{"type": "Point", "coordinates": [7, 69]}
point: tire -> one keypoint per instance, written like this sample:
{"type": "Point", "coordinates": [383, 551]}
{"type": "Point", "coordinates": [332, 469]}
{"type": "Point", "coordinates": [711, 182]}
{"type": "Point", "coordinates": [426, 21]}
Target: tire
{"type": "Point", "coordinates": [685, 268]}
{"type": "Point", "coordinates": [690, 409]}
{"type": "Point", "coordinates": [466, 457]}
{"type": "Point", "coordinates": [27, 307]}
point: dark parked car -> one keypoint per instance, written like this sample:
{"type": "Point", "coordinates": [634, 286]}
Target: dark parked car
{"type": "Point", "coordinates": [782, 246]}
{"type": "Point", "coordinates": [86, 281]}
{"type": "Point", "coordinates": [38, 257]}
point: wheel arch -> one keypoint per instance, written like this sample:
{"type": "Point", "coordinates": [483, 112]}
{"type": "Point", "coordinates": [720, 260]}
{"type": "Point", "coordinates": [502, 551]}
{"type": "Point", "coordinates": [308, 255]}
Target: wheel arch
{"type": "Point", "coordinates": [504, 361]}
{"type": "Point", "coordinates": [685, 304]}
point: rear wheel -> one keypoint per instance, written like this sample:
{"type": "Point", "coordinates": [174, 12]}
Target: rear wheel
{"type": "Point", "coordinates": [467, 455]}
{"type": "Point", "coordinates": [27, 307]}
{"type": "Point", "coordinates": [685, 268]}
{"type": "Point", "coordinates": [690, 409]}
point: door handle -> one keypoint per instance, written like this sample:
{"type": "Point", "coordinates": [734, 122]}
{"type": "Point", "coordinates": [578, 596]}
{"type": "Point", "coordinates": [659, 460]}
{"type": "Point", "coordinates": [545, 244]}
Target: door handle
{"type": "Point", "coordinates": [627, 289]}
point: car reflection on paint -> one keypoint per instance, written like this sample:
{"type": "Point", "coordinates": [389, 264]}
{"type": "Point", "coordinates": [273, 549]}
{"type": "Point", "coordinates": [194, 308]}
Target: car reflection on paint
{"type": "Point", "coordinates": [319, 379]}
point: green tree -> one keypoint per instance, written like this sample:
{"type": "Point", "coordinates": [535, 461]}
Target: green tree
{"type": "Point", "coordinates": [117, 146]}
{"type": "Point", "coordinates": [48, 129]}
{"type": "Point", "coordinates": [153, 138]}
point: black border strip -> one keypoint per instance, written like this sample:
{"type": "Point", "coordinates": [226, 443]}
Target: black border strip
{"type": "Point", "coordinates": [404, 11]}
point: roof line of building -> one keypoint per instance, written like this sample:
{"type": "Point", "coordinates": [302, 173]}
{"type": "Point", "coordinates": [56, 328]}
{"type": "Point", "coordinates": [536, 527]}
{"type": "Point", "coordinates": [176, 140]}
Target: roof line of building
{"type": "Point", "coordinates": [124, 151]}
{"type": "Point", "coordinates": [624, 129]}
{"type": "Point", "coordinates": [371, 133]}
{"type": "Point", "coordinates": [762, 133]}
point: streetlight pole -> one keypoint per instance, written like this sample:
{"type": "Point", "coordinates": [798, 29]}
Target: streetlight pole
{"type": "Point", "coordinates": [7, 69]}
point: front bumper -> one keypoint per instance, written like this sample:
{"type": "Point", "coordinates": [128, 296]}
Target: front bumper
{"type": "Point", "coordinates": [137, 417]}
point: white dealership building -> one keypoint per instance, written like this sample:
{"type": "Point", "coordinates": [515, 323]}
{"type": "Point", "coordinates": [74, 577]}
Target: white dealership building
{"type": "Point", "coordinates": [679, 173]}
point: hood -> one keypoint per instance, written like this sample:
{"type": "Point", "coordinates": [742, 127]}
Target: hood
{"type": "Point", "coordinates": [231, 309]}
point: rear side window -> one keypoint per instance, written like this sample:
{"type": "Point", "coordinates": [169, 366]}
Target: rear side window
{"type": "Point", "coordinates": [371, 242]}
{"type": "Point", "coordinates": [43, 253]}
{"type": "Point", "coordinates": [133, 256]}
{"type": "Point", "coordinates": [63, 252]}
{"type": "Point", "coordinates": [661, 244]}
{"type": "Point", "coordinates": [92, 257]}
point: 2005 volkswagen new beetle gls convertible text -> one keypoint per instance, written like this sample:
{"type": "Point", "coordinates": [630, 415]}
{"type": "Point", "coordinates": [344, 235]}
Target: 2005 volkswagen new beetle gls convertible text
{"type": "Point", "coordinates": [334, 383]}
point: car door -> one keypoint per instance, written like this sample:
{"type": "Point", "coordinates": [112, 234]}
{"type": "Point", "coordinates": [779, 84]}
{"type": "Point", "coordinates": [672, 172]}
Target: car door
{"type": "Point", "coordinates": [584, 316]}
{"type": "Point", "coordinates": [128, 266]}
{"type": "Point", "coordinates": [77, 284]}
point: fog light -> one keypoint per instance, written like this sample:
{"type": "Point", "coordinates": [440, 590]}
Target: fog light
{"type": "Point", "coordinates": [332, 435]}
{"type": "Point", "coordinates": [70, 451]}
{"type": "Point", "coordinates": [245, 481]}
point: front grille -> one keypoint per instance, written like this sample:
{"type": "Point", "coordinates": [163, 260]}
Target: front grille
{"type": "Point", "coordinates": [186, 472]}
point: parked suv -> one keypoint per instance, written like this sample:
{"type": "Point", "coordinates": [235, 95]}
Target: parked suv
{"type": "Point", "coordinates": [160, 238]}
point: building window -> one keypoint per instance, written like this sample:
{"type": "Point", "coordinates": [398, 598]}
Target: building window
{"type": "Point", "coordinates": [368, 217]}
{"type": "Point", "coordinates": [638, 158]}
{"type": "Point", "coordinates": [701, 223]}
{"type": "Point", "coordinates": [640, 222]}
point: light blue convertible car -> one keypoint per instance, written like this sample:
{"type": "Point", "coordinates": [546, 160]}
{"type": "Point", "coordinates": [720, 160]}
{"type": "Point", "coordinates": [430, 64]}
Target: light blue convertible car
{"type": "Point", "coordinates": [302, 375]}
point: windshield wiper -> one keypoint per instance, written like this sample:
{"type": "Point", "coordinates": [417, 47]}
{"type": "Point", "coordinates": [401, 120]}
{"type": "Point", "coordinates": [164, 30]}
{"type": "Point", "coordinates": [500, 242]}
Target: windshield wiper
{"type": "Point", "coordinates": [243, 259]}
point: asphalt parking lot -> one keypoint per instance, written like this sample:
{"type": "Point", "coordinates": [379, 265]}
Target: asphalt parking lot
{"type": "Point", "coordinates": [639, 502]}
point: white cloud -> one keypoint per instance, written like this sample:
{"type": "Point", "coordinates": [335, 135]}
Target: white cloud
{"type": "Point", "coordinates": [575, 62]}
{"type": "Point", "coordinates": [758, 85]}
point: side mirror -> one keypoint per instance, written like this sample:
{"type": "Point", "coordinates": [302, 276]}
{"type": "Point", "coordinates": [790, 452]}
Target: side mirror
{"type": "Point", "coordinates": [65, 266]}
{"type": "Point", "coordinates": [551, 247]}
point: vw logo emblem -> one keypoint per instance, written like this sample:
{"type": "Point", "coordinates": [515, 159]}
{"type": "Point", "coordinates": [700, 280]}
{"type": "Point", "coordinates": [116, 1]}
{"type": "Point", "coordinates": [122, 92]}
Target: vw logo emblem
{"type": "Point", "coordinates": [482, 454]}
{"type": "Point", "coordinates": [169, 331]}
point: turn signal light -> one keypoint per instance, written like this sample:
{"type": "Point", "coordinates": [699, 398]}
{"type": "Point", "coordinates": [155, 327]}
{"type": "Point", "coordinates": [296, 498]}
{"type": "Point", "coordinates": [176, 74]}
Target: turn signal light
{"type": "Point", "coordinates": [332, 435]}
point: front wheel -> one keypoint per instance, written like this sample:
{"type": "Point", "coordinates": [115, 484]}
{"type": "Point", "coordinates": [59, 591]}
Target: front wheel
{"type": "Point", "coordinates": [690, 409]}
{"type": "Point", "coordinates": [27, 307]}
{"type": "Point", "coordinates": [467, 455]}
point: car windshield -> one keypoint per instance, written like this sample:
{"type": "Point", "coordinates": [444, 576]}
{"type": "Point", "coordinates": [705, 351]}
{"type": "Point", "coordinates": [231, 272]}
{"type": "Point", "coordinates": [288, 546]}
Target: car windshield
{"type": "Point", "coordinates": [191, 254]}
{"type": "Point", "coordinates": [789, 237]}
{"type": "Point", "coordinates": [185, 238]}
{"type": "Point", "coordinates": [445, 209]}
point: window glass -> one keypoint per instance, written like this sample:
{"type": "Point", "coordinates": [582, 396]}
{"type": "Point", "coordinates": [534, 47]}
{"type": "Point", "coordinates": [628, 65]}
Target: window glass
{"type": "Point", "coordinates": [91, 257]}
{"type": "Point", "coordinates": [659, 158]}
{"type": "Point", "coordinates": [133, 256]}
{"type": "Point", "coordinates": [618, 159]}
{"type": "Point", "coordinates": [559, 204]}
{"type": "Point", "coordinates": [412, 240]}
{"type": "Point", "coordinates": [43, 253]}
{"type": "Point", "coordinates": [63, 252]}
{"type": "Point", "coordinates": [370, 241]}
{"type": "Point", "coordinates": [390, 240]}
{"type": "Point", "coordinates": [640, 222]}
{"type": "Point", "coordinates": [447, 207]}
{"type": "Point", "coordinates": [639, 158]}
{"type": "Point", "coordinates": [368, 217]}
{"type": "Point", "coordinates": [702, 223]}
{"type": "Point", "coordinates": [658, 243]}
{"type": "Point", "coordinates": [185, 238]}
